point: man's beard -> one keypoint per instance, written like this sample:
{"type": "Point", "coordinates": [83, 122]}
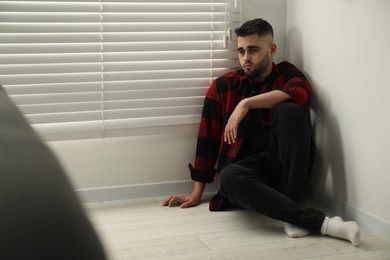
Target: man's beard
{"type": "Point", "coordinates": [258, 68]}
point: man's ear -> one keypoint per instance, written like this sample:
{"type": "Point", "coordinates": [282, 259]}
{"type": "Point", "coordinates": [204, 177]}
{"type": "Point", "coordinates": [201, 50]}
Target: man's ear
{"type": "Point", "coordinates": [273, 48]}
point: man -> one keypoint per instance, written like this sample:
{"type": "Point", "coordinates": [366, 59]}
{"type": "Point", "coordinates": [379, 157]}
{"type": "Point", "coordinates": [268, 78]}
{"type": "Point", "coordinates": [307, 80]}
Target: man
{"type": "Point", "coordinates": [255, 131]}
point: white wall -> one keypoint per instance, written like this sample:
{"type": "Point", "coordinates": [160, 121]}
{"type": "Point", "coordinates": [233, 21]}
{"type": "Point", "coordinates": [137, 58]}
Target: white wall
{"type": "Point", "coordinates": [343, 46]}
{"type": "Point", "coordinates": [150, 157]}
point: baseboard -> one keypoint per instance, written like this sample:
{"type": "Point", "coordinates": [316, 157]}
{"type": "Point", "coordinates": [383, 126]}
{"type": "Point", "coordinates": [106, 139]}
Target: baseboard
{"type": "Point", "coordinates": [138, 191]}
{"type": "Point", "coordinates": [369, 222]}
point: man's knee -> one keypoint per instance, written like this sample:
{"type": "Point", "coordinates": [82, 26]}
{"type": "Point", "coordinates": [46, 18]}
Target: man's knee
{"type": "Point", "coordinates": [288, 111]}
{"type": "Point", "coordinates": [227, 177]}
{"type": "Point", "coordinates": [287, 115]}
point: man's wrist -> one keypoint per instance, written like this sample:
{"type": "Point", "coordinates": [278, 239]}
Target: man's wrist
{"type": "Point", "coordinates": [198, 188]}
{"type": "Point", "coordinates": [245, 103]}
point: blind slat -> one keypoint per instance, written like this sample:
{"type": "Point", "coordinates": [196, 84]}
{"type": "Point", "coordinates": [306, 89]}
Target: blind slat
{"type": "Point", "coordinates": [74, 27]}
{"type": "Point", "coordinates": [126, 123]}
{"type": "Point", "coordinates": [152, 112]}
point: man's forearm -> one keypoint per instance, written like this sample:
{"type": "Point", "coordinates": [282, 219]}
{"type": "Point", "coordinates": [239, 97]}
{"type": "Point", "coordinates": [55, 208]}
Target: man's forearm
{"type": "Point", "coordinates": [198, 188]}
{"type": "Point", "coordinates": [266, 100]}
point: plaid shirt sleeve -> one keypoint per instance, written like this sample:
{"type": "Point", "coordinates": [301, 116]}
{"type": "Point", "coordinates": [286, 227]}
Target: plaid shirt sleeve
{"type": "Point", "coordinates": [294, 83]}
{"type": "Point", "coordinates": [209, 137]}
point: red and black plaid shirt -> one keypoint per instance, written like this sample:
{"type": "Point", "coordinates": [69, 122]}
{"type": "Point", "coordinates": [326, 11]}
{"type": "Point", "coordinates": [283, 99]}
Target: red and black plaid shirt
{"type": "Point", "coordinates": [212, 153]}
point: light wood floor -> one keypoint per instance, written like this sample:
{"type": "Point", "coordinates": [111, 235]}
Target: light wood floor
{"type": "Point", "coordinates": [143, 229]}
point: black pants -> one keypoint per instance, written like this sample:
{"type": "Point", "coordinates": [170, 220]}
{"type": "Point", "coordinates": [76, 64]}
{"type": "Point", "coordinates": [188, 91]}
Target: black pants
{"type": "Point", "coordinates": [274, 182]}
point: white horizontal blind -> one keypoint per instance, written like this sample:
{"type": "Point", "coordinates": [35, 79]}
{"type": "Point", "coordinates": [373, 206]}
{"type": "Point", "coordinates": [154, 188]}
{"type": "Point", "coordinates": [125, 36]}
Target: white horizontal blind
{"type": "Point", "coordinates": [81, 69]}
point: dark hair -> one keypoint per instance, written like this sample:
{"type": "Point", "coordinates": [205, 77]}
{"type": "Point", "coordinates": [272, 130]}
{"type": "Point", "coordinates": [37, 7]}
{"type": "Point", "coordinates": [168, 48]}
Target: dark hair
{"type": "Point", "coordinates": [256, 26]}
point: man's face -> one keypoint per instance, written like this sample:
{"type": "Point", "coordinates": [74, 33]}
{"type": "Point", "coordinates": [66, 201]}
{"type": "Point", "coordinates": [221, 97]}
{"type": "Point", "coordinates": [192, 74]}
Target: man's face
{"type": "Point", "coordinates": [255, 54]}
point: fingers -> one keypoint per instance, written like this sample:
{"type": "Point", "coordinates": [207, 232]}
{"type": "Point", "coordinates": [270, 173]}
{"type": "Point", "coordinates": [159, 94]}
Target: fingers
{"type": "Point", "coordinates": [236, 117]}
{"type": "Point", "coordinates": [230, 134]}
{"type": "Point", "coordinates": [172, 201]}
{"type": "Point", "coordinates": [182, 201]}
{"type": "Point", "coordinates": [166, 202]}
{"type": "Point", "coordinates": [185, 205]}
{"type": "Point", "coordinates": [189, 203]}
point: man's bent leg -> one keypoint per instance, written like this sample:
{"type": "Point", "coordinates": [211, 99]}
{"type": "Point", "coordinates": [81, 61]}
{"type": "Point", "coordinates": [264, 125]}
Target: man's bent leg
{"type": "Point", "coordinates": [289, 149]}
{"type": "Point", "coordinates": [289, 155]}
{"type": "Point", "coordinates": [244, 187]}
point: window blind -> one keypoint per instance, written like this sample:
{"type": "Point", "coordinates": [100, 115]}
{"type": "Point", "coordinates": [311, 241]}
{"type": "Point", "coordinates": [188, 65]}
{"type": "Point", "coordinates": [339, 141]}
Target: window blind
{"type": "Point", "coordinates": [81, 69]}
